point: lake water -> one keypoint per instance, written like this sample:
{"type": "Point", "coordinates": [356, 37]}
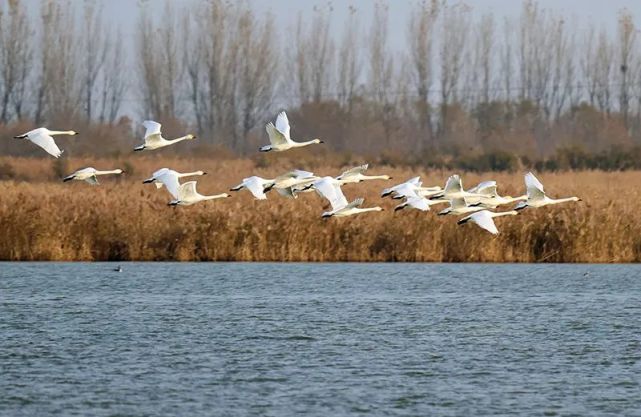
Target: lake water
{"type": "Point", "coordinates": [319, 339]}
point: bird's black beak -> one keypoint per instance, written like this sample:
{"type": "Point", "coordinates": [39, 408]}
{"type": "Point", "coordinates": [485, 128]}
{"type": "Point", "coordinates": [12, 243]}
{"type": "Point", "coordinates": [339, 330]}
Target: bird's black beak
{"type": "Point", "coordinates": [204, 173]}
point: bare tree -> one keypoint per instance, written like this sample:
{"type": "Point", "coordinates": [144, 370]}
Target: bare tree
{"type": "Point", "coordinates": [626, 52]}
{"type": "Point", "coordinates": [15, 58]}
{"type": "Point", "coordinates": [421, 39]}
{"type": "Point", "coordinates": [113, 85]}
{"type": "Point", "coordinates": [94, 53]}
{"type": "Point", "coordinates": [349, 62]}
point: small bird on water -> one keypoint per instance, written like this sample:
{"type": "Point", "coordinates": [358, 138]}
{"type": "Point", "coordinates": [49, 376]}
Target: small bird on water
{"type": "Point", "coordinates": [119, 269]}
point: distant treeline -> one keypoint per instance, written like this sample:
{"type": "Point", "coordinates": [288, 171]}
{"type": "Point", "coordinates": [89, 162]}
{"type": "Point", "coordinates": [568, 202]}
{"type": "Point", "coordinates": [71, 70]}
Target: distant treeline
{"type": "Point", "coordinates": [468, 91]}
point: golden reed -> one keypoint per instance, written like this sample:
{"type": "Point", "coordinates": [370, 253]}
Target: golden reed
{"type": "Point", "coordinates": [43, 219]}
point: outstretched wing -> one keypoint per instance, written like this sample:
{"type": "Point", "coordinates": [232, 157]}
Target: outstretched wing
{"type": "Point", "coordinates": [255, 186]}
{"type": "Point", "coordinates": [152, 128]}
{"type": "Point", "coordinates": [419, 203]}
{"type": "Point", "coordinates": [457, 203]}
{"type": "Point", "coordinates": [170, 180]}
{"type": "Point", "coordinates": [276, 138]}
{"type": "Point", "coordinates": [534, 187]}
{"type": "Point", "coordinates": [453, 185]}
{"type": "Point", "coordinates": [484, 220]}
{"type": "Point", "coordinates": [282, 125]}
{"type": "Point", "coordinates": [487, 188]}
{"type": "Point", "coordinates": [46, 142]}
{"type": "Point", "coordinates": [187, 191]}
{"type": "Point", "coordinates": [92, 180]}
{"type": "Point", "coordinates": [332, 192]}
{"type": "Point", "coordinates": [356, 203]}
{"type": "Point", "coordinates": [353, 171]}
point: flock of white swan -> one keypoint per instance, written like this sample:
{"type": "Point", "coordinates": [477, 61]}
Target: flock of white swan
{"type": "Point", "coordinates": [475, 204]}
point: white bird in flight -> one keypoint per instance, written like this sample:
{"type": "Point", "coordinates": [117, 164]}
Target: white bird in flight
{"type": "Point", "coordinates": [454, 190]}
{"type": "Point", "coordinates": [485, 219]}
{"type": "Point", "coordinates": [153, 137]}
{"type": "Point", "coordinates": [293, 182]}
{"type": "Point", "coordinates": [89, 175]}
{"type": "Point", "coordinates": [169, 178]}
{"type": "Point", "coordinates": [258, 186]}
{"type": "Point", "coordinates": [536, 196]}
{"type": "Point", "coordinates": [330, 188]}
{"type": "Point", "coordinates": [356, 174]}
{"type": "Point", "coordinates": [43, 137]}
{"type": "Point", "coordinates": [279, 136]}
{"type": "Point", "coordinates": [491, 198]}
{"type": "Point", "coordinates": [187, 195]}
{"type": "Point", "coordinates": [458, 205]}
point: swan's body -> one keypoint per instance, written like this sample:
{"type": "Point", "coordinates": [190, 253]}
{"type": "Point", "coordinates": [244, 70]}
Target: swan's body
{"type": "Point", "coordinates": [256, 185]}
{"type": "Point", "coordinates": [485, 219]}
{"type": "Point", "coordinates": [356, 174]}
{"type": "Point", "coordinates": [413, 186]}
{"type": "Point", "coordinates": [330, 189]}
{"type": "Point", "coordinates": [459, 206]}
{"type": "Point", "coordinates": [416, 202]}
{"type": "Point", "coordinates": [279, 137]}
{"type": "Point", "coordinates": [536, 196]}
{"type": "Point", "coordinates": [187, 195]}
{"type": "Point", "coordinates": [169, 178]}
{"type": "Point", "coordinates": [90, 175]}
{"type": "Point", "coordinates": [490, 197]}
{"type": "Point", "coordinates": [293, 182]}
{"type": "Point", "coordinates": [153, 137]}
{"type": "Point", "coordinates": [43, 137]}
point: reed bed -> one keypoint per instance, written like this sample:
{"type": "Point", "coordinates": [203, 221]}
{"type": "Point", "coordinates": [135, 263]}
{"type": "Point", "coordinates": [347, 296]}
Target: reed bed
{"type": "Point", "coordinates": [122, 219]}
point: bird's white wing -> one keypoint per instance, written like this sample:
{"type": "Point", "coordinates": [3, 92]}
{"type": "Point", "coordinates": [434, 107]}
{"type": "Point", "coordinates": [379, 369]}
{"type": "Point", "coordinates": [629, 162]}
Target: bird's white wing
{"type": "Point", "coordinates": [152, 128]}
{"type": "Point", "coordinates": [160, 172]}
{"type": "Point", "coordinates": [354, 171]}
{"type": "Point", "coordinates": [533, 186]}
{"type": "Point", "coordinates": [453, 185]}
{"type": "Point", "coordinates": [406, 190]}
{"type": "Point", "coordinates": [92, 180]}
{"type": "Point", "coordinates": [459, 202]}
{"type": "Point", "coordinates": [332, 192]}
{"type": "Point", "coordinates": [255, 186]}
{"type": "Point", "coordinates": [298, 173]}
{"type": "Point", "coordinates": [170, 180]}
{"type": "Point", "coordinates": [419, 203]}
{"type": "Point", "coordinates": [486, 188]}
{"type": "Point", "coordinates": [484, 220]}
{"type": "Point", "coordinates": [356, 203]}
{"type": "Point", "coordinates": [275, 137]}
{"type": "Point", "coordinates": [46, 142]}
{"type": "Point", "coordinates": [286, 192]}
{"type": "Point", "coordinates": [415, 181]}
{"type": "Point", "coordinates": [282, 125]}
{"type": "Point", "coordinates": [187, 191]}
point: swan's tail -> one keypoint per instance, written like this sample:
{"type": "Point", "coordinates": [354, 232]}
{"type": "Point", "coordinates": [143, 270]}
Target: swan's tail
{"type": "Point", "coordinates": [139, 148]}
{"type": "Point", "coordinates": [20, 137]}
{"type": "Point", "coordinates": [237, 188]}
{"type": "Point", "coordinates": [265, 148]}
{"type": "Point", "coordinates": [69, 178]}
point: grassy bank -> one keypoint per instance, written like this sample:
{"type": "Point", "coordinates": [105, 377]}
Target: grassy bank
{"type": "Point", "coordinates": [122, 219]}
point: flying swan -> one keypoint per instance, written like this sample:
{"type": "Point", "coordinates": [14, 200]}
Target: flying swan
{"type": "Point", "coordinates": [536, 195]}
{"type": "Point", "coordinates": [330, 188]}
{"type": "Point", "coordinates": [169, 178]}
{"type": "Point", "coordinates": [258, 186]}
{"type": "Point", "coordinates": [279, 136]}
{"type": "Point", "coordinates": [357, 174]}
{"type": "Point", "coordinates": [43, 137]}
{"type": "Point", "coordinates": [153, 137]}
{"type": "Point", "coordinates": [485, 219]}
{"type": "Point", "coordinates": [89, 175]}
{"type": "Point", "coordinates": [187, 195]}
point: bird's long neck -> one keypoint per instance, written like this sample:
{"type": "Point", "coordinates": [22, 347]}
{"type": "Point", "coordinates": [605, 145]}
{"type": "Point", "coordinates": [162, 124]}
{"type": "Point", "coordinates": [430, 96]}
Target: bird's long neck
{"type": "Point", "coordinates": [363, 210]}
{"type": "Point", "coordinates": [178, 139]}
{"type": "Point", "coordinates": [375, 177]}
{"type": "Point", "coordinates": [213, 197]}
{"type": "Point", "coordinates": [562, 200]}
{"type": "Point", "coordinates": [309, 142]}
{"type": "Point", "coordinates": [113, 171]}
{"type": "Point", "coordinates": [506, 213]}
{"type": "Point", "coordinates": [61, 132]}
